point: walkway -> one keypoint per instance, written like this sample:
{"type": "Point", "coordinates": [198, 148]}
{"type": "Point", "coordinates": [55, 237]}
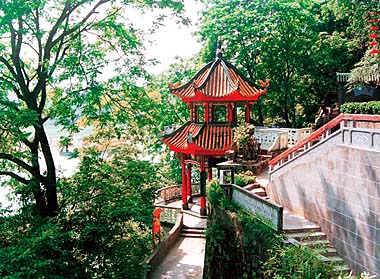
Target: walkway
{"type": "Point", "coordinates": [186, 258]}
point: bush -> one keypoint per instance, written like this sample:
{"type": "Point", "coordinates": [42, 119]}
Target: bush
{"type": "Point", "coordinates": [102, 230]}
{"type": "Point", "coordinates": [256, 247]}
{"type": "Point", "coordinates": [372, 107]}
{"type": "Point", "coordinates": [296, 262]}
{"type": "Point", "coordinates": [243, 179]}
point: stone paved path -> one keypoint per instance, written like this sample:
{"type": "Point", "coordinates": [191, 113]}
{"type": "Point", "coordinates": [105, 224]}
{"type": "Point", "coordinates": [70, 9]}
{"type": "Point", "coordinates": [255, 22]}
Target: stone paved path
{"type": "Point", "coordinates": [185, 260]}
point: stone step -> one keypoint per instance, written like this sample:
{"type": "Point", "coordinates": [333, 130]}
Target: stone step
{"type": "Point", "coordinates": [194, 230]}
{"type": "Point", "coordinates": [260, 192]}
{"type": "Point", "coordinates": [342, 269]}
{"type": "Point", "coordinates": [336, 260]}
{"type": "Point", "coordinates": [316, 244]}
{"type": "Point", "coordinates": [194, 235]}
{"type": "Point", "coordinates": [307, 236]}
{"type": "Point", "coordinates": [303, 229]}
{"type": "Point", "coordinates": [327, 252]}
{"type": "Point", "coordinates": [252, 186]}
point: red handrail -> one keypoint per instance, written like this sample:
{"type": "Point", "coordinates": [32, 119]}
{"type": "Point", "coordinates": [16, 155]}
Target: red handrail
{"type": "Point", "coordinates": [318, 133]}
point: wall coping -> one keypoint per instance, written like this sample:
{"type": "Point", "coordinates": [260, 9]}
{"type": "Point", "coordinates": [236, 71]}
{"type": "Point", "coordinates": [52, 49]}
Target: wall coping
{"type": "Point", "coordinates": [153, 261]}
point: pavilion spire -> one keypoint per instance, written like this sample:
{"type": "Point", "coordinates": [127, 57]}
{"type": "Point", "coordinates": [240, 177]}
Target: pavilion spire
{"type": "Point", "coordinates": [219, 47]}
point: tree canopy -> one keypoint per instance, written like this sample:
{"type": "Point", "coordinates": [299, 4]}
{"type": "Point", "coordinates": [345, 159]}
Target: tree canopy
{"type": "Point", "coordinates": [298, 45]}
{"type": "Point", "coordinates": [75, 62]}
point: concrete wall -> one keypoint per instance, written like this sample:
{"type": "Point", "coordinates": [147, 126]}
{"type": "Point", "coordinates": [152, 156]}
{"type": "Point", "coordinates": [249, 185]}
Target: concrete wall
{"type": "Point", "coordinates": [163, 248]}
{"type": "Point", "coordinates": [338, 187]}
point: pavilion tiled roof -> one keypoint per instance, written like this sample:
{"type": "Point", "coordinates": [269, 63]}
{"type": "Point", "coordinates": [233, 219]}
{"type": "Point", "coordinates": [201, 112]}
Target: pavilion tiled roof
{"type": "Point", "coordinates": [218, 80]}
{"type": "Point", "coordinates": [212, 139]}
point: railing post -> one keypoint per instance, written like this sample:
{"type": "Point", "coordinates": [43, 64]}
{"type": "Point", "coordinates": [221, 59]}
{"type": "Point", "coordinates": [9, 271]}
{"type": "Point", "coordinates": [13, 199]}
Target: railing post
{"type": "Point", "coordinates": [328, 132]}
{"type": "Point", "coordinates": [342, 124]}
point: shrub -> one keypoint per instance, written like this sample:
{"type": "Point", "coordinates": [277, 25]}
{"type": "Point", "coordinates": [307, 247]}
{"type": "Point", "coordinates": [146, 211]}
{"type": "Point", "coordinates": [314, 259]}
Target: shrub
{"type": "Point", "coordinates": [256, 247]}
{"type": "Point", "coordinates": [296, 262]}
{"type": "Point", "coordinates": [102, 230]}
{"type": "Point", "coordinates": [372, 107]}
{"type": "Point", "coordinates": [243, 179]}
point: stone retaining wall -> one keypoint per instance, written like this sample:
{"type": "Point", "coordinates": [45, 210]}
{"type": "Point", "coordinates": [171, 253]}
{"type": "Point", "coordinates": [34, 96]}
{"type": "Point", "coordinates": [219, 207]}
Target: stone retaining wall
{"type": "Point", "coordinates": [338, 187]}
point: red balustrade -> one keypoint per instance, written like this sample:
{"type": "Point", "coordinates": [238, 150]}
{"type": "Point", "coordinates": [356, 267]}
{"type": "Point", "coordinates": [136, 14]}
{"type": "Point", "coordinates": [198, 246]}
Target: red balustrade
{"type": "Point", "coordinates": [322, 132]}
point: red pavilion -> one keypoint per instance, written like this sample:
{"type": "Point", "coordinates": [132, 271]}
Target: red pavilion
{"type": "Point", "coordinates": [214, 96]}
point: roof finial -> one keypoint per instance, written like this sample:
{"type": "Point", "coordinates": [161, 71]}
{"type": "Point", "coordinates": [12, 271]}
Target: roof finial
{"type": "Point", "coordinates": [219, 47]}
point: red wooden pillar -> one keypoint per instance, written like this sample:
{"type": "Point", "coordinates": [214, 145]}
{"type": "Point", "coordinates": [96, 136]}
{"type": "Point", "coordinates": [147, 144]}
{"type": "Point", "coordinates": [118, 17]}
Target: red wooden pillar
{"type": "Point", "coordinates": [247, 112]}
{"type": "Point", "coordinates": [203, 210]}
{"type": "Point", "coordinates": [185, 205]}
{"type": "Point", "coordinates": [209, 174]}
{"type": "Point", "coordinates": [192, 118]}
{"type": "Point", "coordinates": [230, 113]}
{"type": "Point", "coordinates": [189, 194]}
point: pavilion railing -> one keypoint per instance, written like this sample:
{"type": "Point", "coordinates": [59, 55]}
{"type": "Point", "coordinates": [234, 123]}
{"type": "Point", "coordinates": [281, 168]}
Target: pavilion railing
{"type": "Point", "coordinates": [174, 192]}
{"type": "Point", "coordinates": [169, 214]}
{"type": "Point", "coordinates": [169, 193]}
{"type": "Point", "coordinates": [340, 122]}
{"type": "Point", "coordinates": [273, 139]}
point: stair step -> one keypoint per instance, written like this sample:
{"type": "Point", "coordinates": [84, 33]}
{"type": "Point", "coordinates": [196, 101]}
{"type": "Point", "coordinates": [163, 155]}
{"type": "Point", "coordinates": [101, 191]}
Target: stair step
{"type": "Point", "coordinates": [336, 260]}
{"type": "Point", "coordinates": [342, 268]}
{"type": "Point", "coordinates": [260, 192]}
{"type": "Point", "coordinates": [193, 235]}
{"type": "Point", "coordinates": [327, 252]}
{"type": "Point", "coordinates": [316, 243]}
{"type": "Point", "coordinates": [307, 236]}
{"type": "Point", "coordinates": [195, 231]}
{"type": "Point", "coordinates": [252, 186]}
{"type": "Point", "coordinates": [308, 229]}
{"type": "Point", "coordinates": [194, 228]}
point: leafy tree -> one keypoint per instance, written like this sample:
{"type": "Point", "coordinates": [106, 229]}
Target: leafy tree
{"type": "Point", "coordinates": [298, 44]}
{"type": "Point", "coordinates": [70, 61]}
{"type": "Point", "coordinates": [102, 230]}
{"type": "Point", "coordinates": [169, 111]}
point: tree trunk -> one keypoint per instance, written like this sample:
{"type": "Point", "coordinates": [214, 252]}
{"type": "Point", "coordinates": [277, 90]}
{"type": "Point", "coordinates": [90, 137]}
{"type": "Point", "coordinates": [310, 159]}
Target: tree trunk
{"type": "Point", "coordinates": [46, 198]}
{"type": "Point", "coordinates": [286, 110]}
{"type": "Point", "coordinates": [260, 112]}
{"type": "Point", "coordinates": [51, 180]}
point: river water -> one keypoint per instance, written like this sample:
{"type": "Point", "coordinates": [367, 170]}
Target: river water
{"type": "Point", "coordinates": [65, 165]}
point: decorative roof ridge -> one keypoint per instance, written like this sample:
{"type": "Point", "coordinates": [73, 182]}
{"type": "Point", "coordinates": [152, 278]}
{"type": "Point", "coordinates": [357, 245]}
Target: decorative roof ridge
{"type": "Point", "coordinates": [191, 81]}
{"type": "Point", "coordinates": [176, 131]}
{"type": "Point", "coordinates": [222, 62]}
{"type": "Point", "coordinates": [240, 74]}
{"type": "Point", "coordinates": [200, 130]}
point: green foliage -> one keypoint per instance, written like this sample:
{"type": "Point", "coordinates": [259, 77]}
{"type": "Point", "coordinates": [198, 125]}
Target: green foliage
{"type": "Point", "coordinates": [372, 107]}
{"type": "Point", "coordinates": [296, 262]}
{"type": "Point", "coordinates": [102, 230]}
{"type": "Point", "coordinates": [242, 134]}
{"type": "Point", "coordinates": [243, 179]}
{"type": "Point", "coordinates": [253, 250]}
{"type": "Point", "coordinates": [76, 63]}
{"type": "Point", "coordinates": [366, 71]}
{"type": "Point", "coordinates": [217, 196]}
{"type": "Point", "coordinates": [299, 45]}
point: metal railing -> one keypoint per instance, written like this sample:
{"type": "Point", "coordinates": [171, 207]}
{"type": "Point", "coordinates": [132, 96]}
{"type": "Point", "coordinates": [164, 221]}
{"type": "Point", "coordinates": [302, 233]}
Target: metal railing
{"type": "Point", "coordinates": [341, 121]}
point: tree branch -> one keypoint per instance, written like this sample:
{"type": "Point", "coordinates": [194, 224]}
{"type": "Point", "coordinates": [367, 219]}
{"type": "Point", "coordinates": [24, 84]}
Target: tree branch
{"type": "Point", "coordinates": [15, 176]}
{"type": "Point", "coordinates": [23, 165]}
{"type": "Point", "coordinates": [9, 67]}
